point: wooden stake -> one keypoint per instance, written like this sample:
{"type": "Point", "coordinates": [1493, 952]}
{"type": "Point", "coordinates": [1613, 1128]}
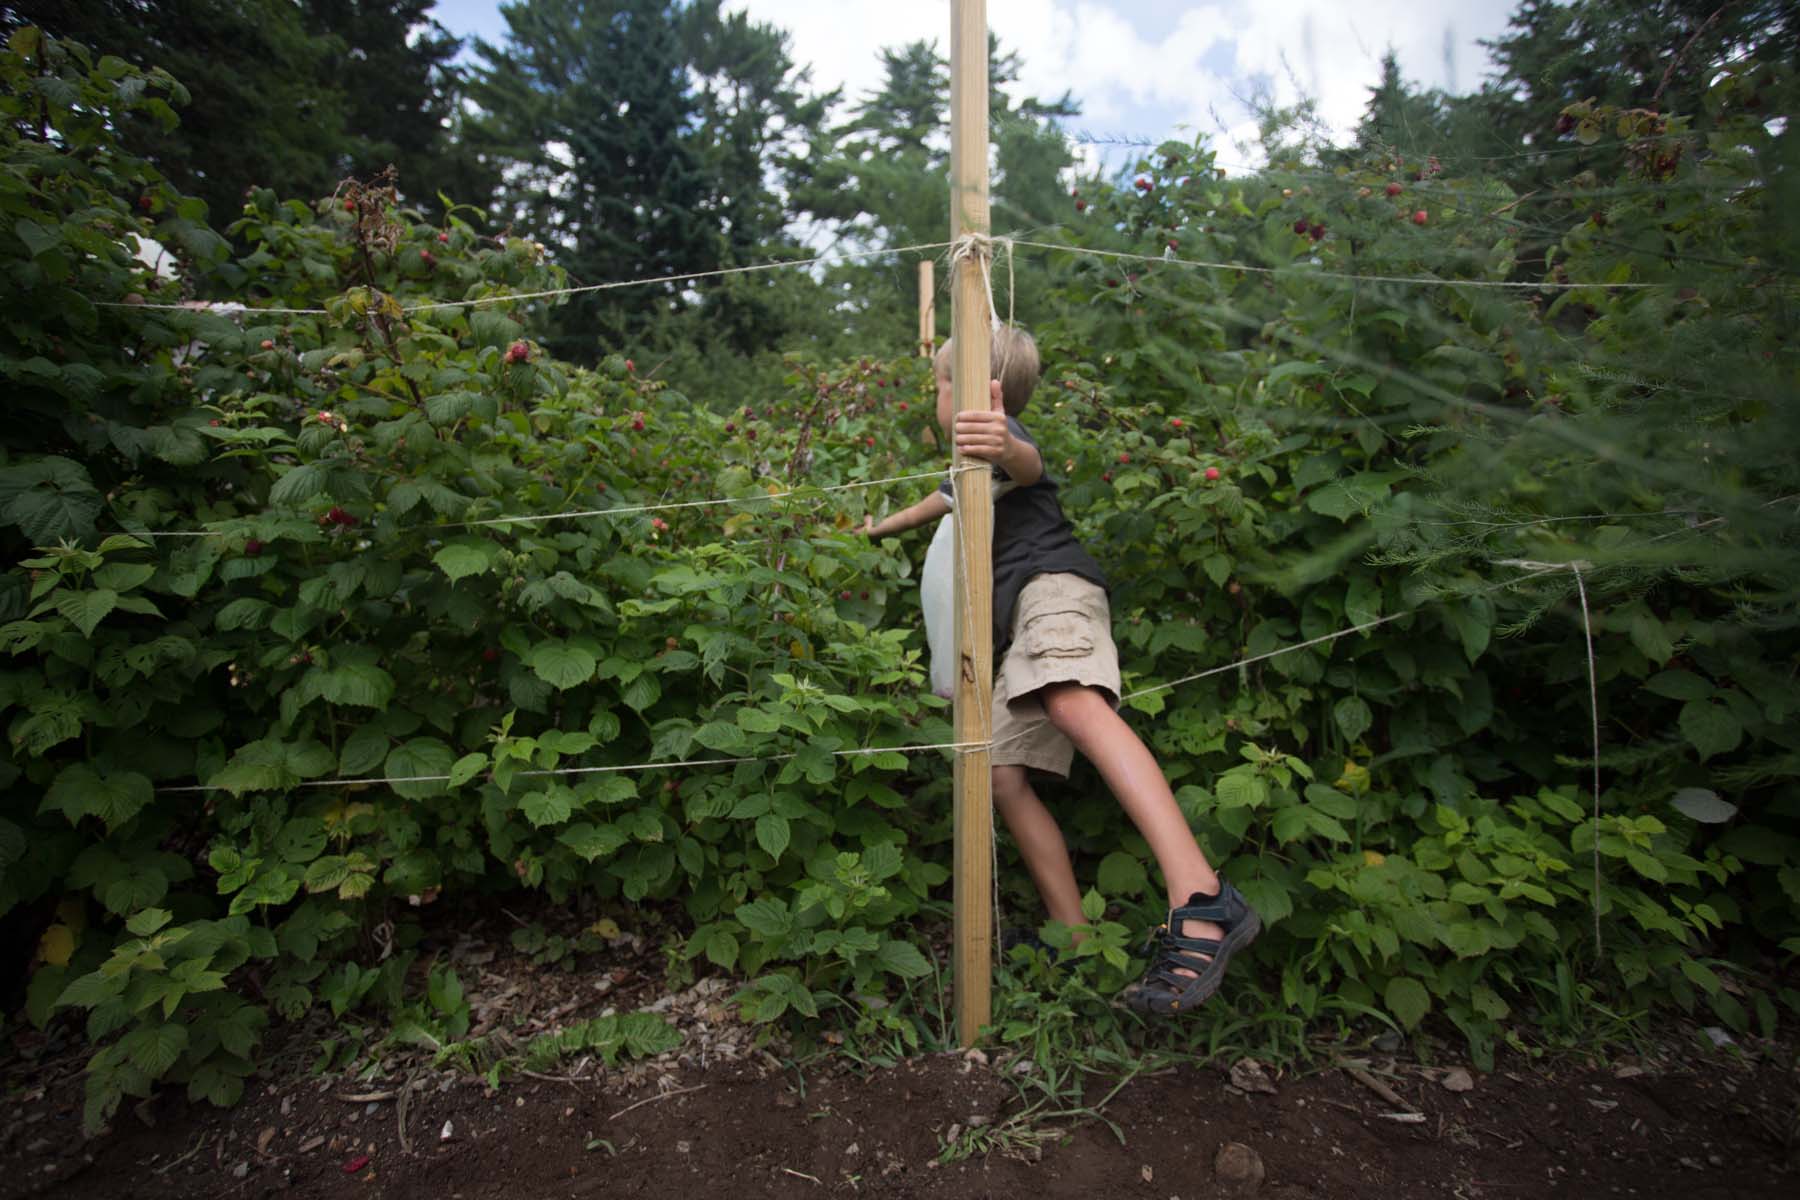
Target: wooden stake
{"type": "Point", "coordinates": [927, 309]}
{"type": "Point", "coordinates": [971, 323]}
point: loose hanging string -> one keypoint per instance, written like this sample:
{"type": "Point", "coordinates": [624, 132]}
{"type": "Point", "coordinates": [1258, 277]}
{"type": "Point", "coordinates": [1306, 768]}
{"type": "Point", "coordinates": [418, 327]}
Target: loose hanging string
{"type": "Point", "coordinates": [966, 594]}
{"type": "Point", "coordinates": [1587, 629]}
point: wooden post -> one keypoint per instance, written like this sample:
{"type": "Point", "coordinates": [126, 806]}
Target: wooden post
{"type": "Point", "coordinates": [972, 333]}
{"type": "Point", "coordinates": [927, 309]}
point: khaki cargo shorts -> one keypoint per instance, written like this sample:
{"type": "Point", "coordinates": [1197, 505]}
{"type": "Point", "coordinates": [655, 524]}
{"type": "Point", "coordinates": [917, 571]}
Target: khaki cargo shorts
{"type": "Point", "coordinates": [1062, 633]}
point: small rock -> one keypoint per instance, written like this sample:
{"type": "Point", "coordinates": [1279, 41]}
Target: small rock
{"type": "Point", "coordinates": [979, 1121]}
{"type": "Point", "coordinates": [1458, 1079]}
{"type": "Point", "coordinates": [1389, 1042]}
{"type": "Point", "coordinates": [241, 1170]}
{"type": "Point", "coordinates": [1148, 1174]}
{"type": "Point", "coordinates": [683, 1147]}
{"type": "Point", "coordinates": [1717, 1036]}
{"type": "Point", "coordinates": [976, 1056]}
{"type": "Point", "coordinates": [447, 1132]}
{"type": "Point", "coordinates": [1252, 1076]}
{"type": "Point", "coordinates": [264, 1138]}
{"type": "Point", "coordinates": [1238, 1168]}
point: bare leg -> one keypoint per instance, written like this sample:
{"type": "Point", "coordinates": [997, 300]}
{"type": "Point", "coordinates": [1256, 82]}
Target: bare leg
{"type": "Point", "coordinates": [1040, 843]}
{"type": "Point", "coordinates": [1086, 718]}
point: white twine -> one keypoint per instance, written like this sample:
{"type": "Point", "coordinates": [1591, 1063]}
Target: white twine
{"type": "Point", "coordinates": [479, 301]}
{"type": "Point", "coordinates": [1431, 280]}
{"type": "Point", "coordinates": [646, 766]}
{"type": "Point", "coordinates": [1277, 653]}
{"type": "Point", "coordinates": [627, 510]}
{"type": "Point", "coordinates": [644, 508]}
{"type": "Point", "coordinates": [975, 245]}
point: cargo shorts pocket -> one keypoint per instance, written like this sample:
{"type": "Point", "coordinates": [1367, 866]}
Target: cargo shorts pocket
{"type": "Point", "coordinates": [1067, 633]}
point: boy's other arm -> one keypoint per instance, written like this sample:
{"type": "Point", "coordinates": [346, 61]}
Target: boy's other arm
{"type": "Point", "coordinates": [929, 509]}
{"type": "Point", "coordinates": [984, 435]}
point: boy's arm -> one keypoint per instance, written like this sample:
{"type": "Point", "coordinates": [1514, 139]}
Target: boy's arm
{"type": "Point", "coordinates": [929, 509]}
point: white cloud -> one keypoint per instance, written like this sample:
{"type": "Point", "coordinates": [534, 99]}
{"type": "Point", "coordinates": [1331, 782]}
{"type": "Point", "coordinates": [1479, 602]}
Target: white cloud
{"type": "Point", "coordinates": [1167, 64]}
{"type": "Point", "coordinates": [1141, 68]}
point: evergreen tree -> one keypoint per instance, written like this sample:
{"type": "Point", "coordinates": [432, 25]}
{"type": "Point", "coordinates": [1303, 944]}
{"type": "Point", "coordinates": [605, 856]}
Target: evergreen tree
{"type": "Point", "coordinates": [1397, 118]}
{"type": "Point", "coordinates": [400, 89]}
{"type": "Point", "coordinates": [754, 123]}
{"type": "Point", "coordinates": [588, 101]}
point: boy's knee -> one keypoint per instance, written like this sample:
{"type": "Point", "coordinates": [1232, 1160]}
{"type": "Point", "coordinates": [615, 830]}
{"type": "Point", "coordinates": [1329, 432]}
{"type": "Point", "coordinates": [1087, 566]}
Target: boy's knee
{"type": "Point", "coordinates": [1070, 706]}
{"type": "Point", "coordinates": [1009, 785]}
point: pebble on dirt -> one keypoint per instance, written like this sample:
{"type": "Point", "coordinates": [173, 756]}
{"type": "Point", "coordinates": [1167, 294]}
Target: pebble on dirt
{"type": "Point", "coordinates": [1238, 1168]}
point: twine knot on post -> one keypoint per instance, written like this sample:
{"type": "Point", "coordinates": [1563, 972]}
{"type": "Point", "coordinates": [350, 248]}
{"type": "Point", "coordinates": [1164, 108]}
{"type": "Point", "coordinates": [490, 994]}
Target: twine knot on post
{"type": "Point", "coordinates": [979, 249]}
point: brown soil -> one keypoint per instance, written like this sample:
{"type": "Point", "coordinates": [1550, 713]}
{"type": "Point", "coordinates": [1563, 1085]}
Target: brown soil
{"type": "Point", "coordinates": [722, 1116]}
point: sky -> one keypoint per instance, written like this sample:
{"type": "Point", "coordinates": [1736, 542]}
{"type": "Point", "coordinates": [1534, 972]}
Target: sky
{"type": "Point", "coordinates": [1143, 69]}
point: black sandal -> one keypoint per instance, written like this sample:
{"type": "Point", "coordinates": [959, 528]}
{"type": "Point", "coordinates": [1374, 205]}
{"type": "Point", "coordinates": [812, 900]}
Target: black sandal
{"type": "Point", "coordinates": [1165, 988]}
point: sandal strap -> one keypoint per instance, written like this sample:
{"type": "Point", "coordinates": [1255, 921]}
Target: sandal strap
{"type": "Point", "coordinates": [1187, 947]}
{"type": "Point", "coordinates": [1227, 908]}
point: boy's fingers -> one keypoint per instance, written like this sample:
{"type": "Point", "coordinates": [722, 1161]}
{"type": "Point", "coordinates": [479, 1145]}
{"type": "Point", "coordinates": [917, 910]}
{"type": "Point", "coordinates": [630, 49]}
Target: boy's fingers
{"type": "Point", "coordinates": [996, 402]}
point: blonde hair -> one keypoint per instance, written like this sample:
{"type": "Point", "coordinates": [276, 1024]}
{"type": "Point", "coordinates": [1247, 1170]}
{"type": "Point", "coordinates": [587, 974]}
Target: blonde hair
{"type": "Point", "coordinates": [1012, 359]}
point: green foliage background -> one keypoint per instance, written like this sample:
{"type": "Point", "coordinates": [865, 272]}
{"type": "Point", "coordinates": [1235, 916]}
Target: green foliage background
{"type": "Point", "coordinates": [265, 555]}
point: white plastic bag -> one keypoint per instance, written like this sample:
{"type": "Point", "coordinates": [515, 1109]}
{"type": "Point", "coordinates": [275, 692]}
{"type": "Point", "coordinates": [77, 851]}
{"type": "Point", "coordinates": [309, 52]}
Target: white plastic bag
{"type": "Point", "coordinates": [936, 597]}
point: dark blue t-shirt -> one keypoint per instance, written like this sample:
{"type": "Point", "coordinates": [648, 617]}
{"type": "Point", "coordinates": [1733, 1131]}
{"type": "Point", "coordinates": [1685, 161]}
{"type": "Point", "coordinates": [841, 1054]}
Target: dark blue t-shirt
{"type": "Point", "coordinates": [1031, 538]}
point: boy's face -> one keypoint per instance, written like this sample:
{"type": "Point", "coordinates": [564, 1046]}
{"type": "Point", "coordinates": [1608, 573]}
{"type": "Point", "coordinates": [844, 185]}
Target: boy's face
{"type": "Point", "coordinates": [946, 403]}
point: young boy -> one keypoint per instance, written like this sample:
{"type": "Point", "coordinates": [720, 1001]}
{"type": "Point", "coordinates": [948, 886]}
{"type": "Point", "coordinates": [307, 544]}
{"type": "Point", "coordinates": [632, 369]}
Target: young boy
{"type": "Point", "coordinates": [1057, 690]}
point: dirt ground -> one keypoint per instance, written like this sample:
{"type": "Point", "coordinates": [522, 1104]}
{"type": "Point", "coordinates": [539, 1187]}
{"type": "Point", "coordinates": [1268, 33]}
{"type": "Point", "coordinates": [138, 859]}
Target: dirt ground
{"type": "Point", "coordinates": [721, 1115]}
